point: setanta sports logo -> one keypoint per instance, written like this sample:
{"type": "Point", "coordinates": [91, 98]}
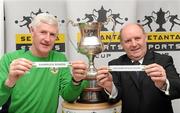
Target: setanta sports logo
{"type": "Point", "coordinates": [159, 24]}
{"type": "Point", "coordinates": [159, 27]}
{"type": "Point", "coordinates": [25, 40]}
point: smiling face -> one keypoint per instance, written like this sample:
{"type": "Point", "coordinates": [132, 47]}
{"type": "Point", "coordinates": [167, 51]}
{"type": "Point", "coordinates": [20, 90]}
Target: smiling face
{"type": "Point", "coordinates": [133, 41]}
{"type": "Point", "coordinates": [44, 36]}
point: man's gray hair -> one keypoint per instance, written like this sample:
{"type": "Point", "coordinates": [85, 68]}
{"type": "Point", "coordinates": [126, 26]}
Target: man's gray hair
{"type": "Point", "coordinates": [44, 18]}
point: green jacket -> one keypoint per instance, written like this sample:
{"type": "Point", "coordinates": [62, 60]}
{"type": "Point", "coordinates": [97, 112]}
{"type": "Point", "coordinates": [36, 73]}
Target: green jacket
{"type": "Point", "coordinates": [38, 90]}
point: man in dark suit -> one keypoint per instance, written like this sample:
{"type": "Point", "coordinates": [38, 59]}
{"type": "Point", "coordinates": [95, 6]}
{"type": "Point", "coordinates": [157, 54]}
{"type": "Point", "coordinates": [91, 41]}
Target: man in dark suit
{"type": "Point", "coordinates": [154, 88]}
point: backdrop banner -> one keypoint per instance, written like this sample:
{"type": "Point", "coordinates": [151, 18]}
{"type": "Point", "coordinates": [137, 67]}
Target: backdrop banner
{"type": "Point", "coordinates": [1, 28]}
{"type": "Point", "coordinates": [160, 19]}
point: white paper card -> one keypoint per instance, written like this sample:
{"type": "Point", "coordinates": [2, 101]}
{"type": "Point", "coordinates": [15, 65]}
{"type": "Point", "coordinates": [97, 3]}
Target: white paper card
{"type": "Point", "coordinates": [127, 67]}
{"type": "Point", "coordinates": [51, 64]}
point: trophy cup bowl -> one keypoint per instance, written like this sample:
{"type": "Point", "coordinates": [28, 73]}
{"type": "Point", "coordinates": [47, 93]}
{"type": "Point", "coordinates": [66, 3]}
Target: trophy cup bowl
{"type": "Point", "coordinates": [90, 44]}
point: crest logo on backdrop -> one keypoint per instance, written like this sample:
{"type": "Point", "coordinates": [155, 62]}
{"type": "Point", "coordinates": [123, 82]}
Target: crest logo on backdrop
{"type": "Point", "coordinates": [101, 15]}
{"type": "Point", "coordinates": [160, 18]}
{"type": "Point", "coordinates": [161, 36]}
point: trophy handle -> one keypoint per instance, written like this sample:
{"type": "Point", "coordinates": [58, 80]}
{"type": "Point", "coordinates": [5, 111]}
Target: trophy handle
{"type": "Point", "coordinates": [74, 25]}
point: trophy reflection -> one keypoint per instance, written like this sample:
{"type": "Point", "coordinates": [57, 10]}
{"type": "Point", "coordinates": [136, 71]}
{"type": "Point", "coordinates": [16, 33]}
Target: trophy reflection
{"type": "Point", "coordinates": [90, 44]}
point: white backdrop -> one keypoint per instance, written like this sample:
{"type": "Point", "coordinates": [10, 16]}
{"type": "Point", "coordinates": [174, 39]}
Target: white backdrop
{"type": "Point", "coordinates": [1, 28]}
{"type": "Point", "coordinates": [18, 13]}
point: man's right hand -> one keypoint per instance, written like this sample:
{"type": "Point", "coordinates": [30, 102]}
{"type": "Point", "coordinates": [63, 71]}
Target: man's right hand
{"type": "Point", "coordinates": [17, 68]}
{"type": "Point", "coordinates": [104, 79]}
{"type": "Point", "coordinates": [79, 70]}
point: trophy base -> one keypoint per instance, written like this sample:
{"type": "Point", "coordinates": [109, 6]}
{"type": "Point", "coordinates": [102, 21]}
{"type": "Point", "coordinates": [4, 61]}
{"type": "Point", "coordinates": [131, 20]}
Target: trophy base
{"type": "Point", "coordinates": [93, 95]}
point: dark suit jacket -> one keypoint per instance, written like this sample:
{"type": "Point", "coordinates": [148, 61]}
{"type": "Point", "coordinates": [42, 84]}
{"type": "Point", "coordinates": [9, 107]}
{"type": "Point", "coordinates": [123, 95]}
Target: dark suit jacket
{"type": "Point", "coordinates": [145, 97]}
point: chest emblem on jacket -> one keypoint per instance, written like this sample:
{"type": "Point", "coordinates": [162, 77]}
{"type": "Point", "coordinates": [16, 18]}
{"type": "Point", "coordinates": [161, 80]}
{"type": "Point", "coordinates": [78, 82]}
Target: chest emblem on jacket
{"type": "Point", "coordinates": [54, 70]}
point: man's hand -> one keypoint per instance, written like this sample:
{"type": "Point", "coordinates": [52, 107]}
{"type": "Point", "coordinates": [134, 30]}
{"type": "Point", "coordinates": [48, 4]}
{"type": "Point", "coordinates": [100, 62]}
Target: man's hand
{"type": "Point", "coordinates": [17, 69]}
{"type": "Point", "coordinates": [104, 79]}
{"type": "Point", "coordinates": [79, 70]}
{"type": "Point", "coordinates": [157, 74]}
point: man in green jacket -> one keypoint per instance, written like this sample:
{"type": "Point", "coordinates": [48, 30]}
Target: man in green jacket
{"type": "Point", "coordinates": [29, 89]}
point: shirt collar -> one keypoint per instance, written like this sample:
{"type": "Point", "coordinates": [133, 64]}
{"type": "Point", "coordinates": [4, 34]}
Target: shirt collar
{"type": "Point", "coordinates": [140, 61]}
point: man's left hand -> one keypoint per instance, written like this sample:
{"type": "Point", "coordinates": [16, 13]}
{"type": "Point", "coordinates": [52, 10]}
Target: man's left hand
{"type": "Point", "coordinates": [157, 73]}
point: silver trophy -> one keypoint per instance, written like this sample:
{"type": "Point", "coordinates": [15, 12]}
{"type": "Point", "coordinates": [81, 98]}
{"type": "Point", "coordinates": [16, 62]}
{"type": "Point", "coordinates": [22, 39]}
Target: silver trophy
{"type": "Point", "coordinates": [90, 44]}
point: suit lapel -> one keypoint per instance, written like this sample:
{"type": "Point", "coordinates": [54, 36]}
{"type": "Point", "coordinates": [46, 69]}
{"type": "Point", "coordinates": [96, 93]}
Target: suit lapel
{"type": "Point", "coordinates": [149, 58]}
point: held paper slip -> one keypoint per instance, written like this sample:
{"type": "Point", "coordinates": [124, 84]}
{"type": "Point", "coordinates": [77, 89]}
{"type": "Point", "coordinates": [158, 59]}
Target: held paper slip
{"type": "Point", "coordinates": [51, 64]}
{"type": "Point", "coordinates": [126, 68]}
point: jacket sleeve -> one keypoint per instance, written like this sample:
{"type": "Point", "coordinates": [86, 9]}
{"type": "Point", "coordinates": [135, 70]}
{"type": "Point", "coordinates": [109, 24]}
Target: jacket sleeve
{"type": "Point", "coordinates": [173, 78]}
{"type": "Point", "coordinates": [68, 90]}
{"type": "Point", "coordinates": [117, 83]}
{"type": "Point", "coordinates": [4, 69]}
